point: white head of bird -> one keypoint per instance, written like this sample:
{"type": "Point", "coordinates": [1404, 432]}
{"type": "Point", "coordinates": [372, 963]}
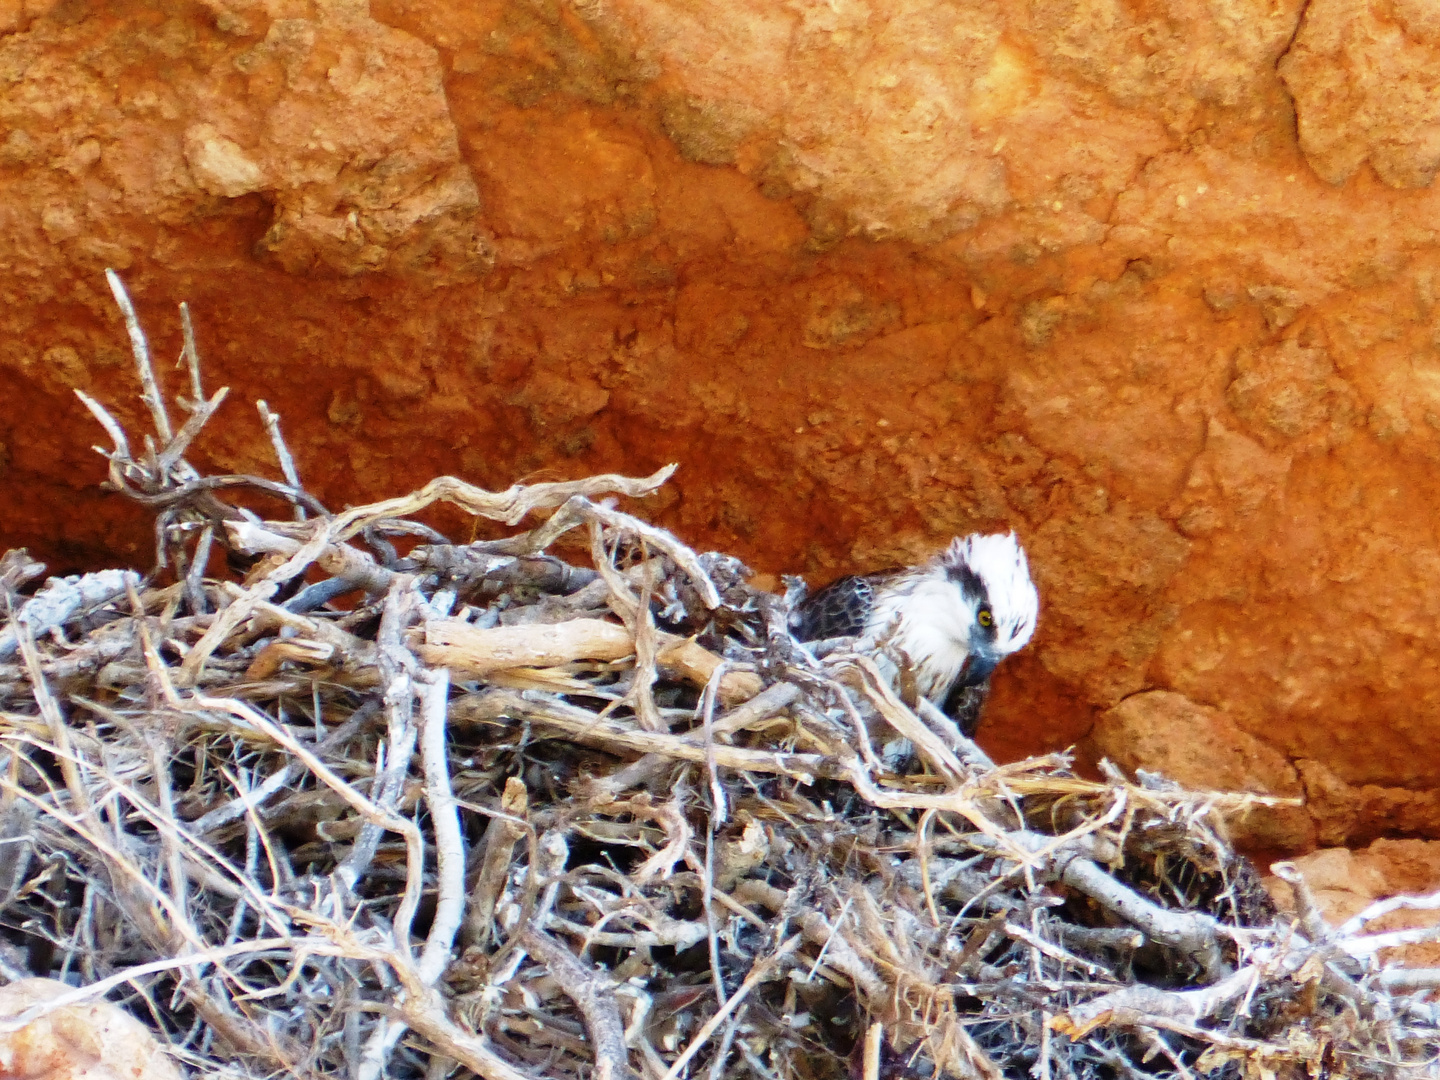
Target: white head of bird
{"type": "Point", "coordinates": [958, 615]}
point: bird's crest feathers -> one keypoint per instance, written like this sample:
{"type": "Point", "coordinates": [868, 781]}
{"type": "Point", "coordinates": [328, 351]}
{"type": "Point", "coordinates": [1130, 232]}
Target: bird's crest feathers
{"type": "Point", "coordinates": [998, 562]}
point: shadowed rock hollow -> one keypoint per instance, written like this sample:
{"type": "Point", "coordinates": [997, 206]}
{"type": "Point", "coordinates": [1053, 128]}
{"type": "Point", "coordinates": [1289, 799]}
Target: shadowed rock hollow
{"type": "Point", "coordinates": [1155, 285]}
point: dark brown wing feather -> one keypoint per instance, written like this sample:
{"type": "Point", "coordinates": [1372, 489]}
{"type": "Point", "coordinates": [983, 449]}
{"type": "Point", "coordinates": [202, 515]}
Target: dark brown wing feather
{"type": "Point", "coordinates": [838, 610]}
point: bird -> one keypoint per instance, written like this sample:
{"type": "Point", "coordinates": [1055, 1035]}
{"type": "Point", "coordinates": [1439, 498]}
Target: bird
{"type": "Point", "coordinates": [953, 617]}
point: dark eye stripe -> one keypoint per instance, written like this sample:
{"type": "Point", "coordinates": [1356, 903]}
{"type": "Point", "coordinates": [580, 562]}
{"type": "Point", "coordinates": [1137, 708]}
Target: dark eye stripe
{"type": "Point", "coordinates": [969, 581]}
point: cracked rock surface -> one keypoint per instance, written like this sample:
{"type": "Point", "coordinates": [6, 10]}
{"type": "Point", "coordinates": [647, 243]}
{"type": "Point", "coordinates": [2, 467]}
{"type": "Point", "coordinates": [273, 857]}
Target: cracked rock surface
{"type": "Point", "coordinates": [1155, 285]}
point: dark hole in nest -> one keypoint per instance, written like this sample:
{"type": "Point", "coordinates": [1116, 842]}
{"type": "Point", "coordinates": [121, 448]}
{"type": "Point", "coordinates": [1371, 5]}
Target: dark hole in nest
{"type": "Point", "coordinates": [42, 912]}
{"type": "Point", "coordinates": [621, 858]}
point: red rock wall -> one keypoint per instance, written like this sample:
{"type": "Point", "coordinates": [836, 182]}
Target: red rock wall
{"type": "Point", "coordinates": [1155, 284]}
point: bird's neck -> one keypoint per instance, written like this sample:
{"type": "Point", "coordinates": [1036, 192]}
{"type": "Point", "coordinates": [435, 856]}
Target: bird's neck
{"type": "Point", "coordinates": [918, 615]}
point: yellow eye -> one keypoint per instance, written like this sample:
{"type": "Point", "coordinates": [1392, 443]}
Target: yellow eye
{"type": "Point", "coordinates": [985, 619]}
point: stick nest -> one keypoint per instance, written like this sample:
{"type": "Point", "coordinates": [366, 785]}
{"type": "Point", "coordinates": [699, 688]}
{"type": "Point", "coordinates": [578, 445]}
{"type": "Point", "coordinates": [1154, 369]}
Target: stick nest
{"type": "Point", "coordinates": [574, 803]}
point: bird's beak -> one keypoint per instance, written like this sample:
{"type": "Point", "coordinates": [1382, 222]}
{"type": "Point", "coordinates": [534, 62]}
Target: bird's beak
{"type": "Point", "coordinates": [978, 667]}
